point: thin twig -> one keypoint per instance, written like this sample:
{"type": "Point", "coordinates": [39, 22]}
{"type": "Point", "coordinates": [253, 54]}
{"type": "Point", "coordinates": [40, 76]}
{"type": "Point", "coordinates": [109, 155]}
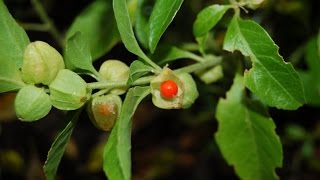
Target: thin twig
{"type": "Point", "coordinates": [45, 18]}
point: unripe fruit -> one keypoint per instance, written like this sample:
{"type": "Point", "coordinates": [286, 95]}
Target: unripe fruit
{"type": "Point", "coordinates": [253, 4]}
{"type": "Point", "coordinates": [41, 63]}
{"type": "Point", "coordinates": [32, 103]}
{"type": "Point", "coordinates": [104, 110]}
{"type": "Point", "coordinates": [115, 70]}
{"type": "Point", "coordinates": [68, 91]}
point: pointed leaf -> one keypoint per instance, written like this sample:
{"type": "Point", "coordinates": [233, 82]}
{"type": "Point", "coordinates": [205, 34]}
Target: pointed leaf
{"type": "Point", "coordinates": [125, 28]}
{"type": "Point", "coordinates": [162, 15]}
{"type": "Point", "coordinates": [208, 18]}
{"type": "Point", "coordinates": [246, 136]}
{"type": "Point", "coordinates": [59, 145]}
{"type": "Point", "coordinates": [137, 69]}
{"type": "Point", "coordinates": [274, 81]}
{"type": "Point", "coordinates": [77, 54]}
{"type": "Point", "coordinates": [117, 152]}
{"type": "Point", "coordinates": [13, 41]}
{"type": "Point", "coordinates": [98, 25]}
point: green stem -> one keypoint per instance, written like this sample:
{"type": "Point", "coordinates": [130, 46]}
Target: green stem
{"type": "Point", "coordinates": [199, 66]}
{"type": "Point", "coordinates": [151, 63]}
{"type": "Point", "coordinates": [35, 26]}
{"type": "Point", "coordinates": [114, 84]}
{"type": "Point", "coordinates": [146, 80]}
{"type": "Point", "coordinates": [45, 18]}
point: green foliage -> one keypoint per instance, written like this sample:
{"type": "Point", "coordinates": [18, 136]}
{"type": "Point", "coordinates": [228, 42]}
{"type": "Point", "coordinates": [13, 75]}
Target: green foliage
{"type": "Point", "coordinates": [246, 135]}
{"type": "Point", "coordinates": [142, 22]}
{"type": "Point", "coordinates": [13, 40]}
{"type": "Point", "coordinates": [59, 145]}
{"type": "Point", "coordinates": [100, 32]}
{"type": "Point", "coordinates": [117, 152]}
{"type": "Point", "coordinates": [208, 18]}
{"type": "Point", "coordinates": [274, 81]}
{"type": "Point", "coordinates": [311, 78]}
{"type": "Point", "coordinates": [126, 31]}
{"type": "Point", "coordinates": [162, 15]}
{"type": "Point", "coordinates": [78, 54]}
{"type": "Point", "coordinates": [137, 69]}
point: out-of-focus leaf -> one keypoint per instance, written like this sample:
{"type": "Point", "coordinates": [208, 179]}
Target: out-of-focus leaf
{"type": "Point", "coordinates": [97, 23]}
{"type": "Point", "coordinates": [142, 21]}
{"type": "Point", "coordinates": [78, 54]}
{"type": "Point", "coordinates": [208, 18]}
{"type": "Point", "coordinates": [311, 78]}
{"type": "Point", "coordinates": [117, 152]}
{"type": "Point", "coordinates": [246, 135]}
{"type": "Point", "coordinates": [162, 15]}
{"type": "Point", "coordinates": [13, 41]}
{"type": "Point", "coordinates": [59, 145]}
{"type": "Point", "coordinates": [273, 80]}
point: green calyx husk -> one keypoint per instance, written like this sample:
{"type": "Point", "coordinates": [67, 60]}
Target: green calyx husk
{"type": "Point", "coordinates": [187, 90]}
{"type": "Point", "coordinates": [104, 110]}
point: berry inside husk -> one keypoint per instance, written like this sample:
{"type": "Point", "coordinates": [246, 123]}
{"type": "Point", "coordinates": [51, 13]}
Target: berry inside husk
{"type": "Point", "coordinates": [168, 89]}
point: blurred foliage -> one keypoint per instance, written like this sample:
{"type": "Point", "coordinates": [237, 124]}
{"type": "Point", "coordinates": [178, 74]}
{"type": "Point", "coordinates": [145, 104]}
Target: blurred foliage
{"type": "Point", "coordinates": [167, 144]}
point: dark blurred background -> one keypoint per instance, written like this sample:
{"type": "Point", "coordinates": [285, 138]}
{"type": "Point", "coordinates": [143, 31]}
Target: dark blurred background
{"type": "Point", "coordinates": [167, 144]}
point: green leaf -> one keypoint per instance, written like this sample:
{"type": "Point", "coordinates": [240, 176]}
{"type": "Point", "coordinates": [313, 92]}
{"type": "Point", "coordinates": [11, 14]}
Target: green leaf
{"type": "Point", "coordinates": [273, 80]}
{"type": "Point", "coordinates": [208, 18]}
{"type": "Point", "coordinates": [59, 145]}
{"type": "Point", "coordinates": [78, 54]}
{"type": "Point", "coordinates": [311, 78]}
{"type": "Point", "coordinates": [117, 152]}
{"type": "Point", "coordinates": [162, 15]}
{"type": "Point", "coordinates": [246, 136]}
{"type": "Point", "coordinates": [165, 54]}
{"type": "Point", "coordinates": [142, 21]}
{"type": "Point", "coordinates": [98, 25]}
{"type": "Point", "coordinates": [126, 31]}
{"type": "Point", "coordinates": [13, 41]}
{"type": "Point", "coordinates": [137, 69]}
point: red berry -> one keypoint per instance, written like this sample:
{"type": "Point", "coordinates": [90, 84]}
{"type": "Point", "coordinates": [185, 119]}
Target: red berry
{"type": "Point", "coordinates": [168, 89]}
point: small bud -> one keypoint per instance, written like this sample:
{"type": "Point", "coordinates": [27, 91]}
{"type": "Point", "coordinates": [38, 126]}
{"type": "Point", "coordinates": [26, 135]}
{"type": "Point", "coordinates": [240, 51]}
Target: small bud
{"type": "Point", "coordinates": [41, 63]}
{"type": "Point", "coordinates": [254, 4]}
{"type": "Point", "coordinates": [32, 103]}
{"type": "Point", "coordinates": [170, 98]}
{"type": "Point", "coordinates": [104, 110]}
{"type": "Point", "coordinates": [115, 70]}
{"type": "Point", "coordinates": [212, 75]}
{"type": "Point", "coordinates": [68, 91]}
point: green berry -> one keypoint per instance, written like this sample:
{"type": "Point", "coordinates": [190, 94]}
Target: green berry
{"type": "Point", "coordinates": [41, 63]}
{"type": "Point", "coordinates": [32, 103]}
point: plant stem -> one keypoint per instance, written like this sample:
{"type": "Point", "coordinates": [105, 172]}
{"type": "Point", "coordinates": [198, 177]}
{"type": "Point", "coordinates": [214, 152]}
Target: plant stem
{"type": "Point", "coordinates": [48, 22]}
{"type": "Point", "coordinates": [199, 66]}
{"type": "Point", "coordinates": [35, 26]}
{"type": "Point", "coordinates": [114, 84]}
{"type": "Point", "coordinates": [146, 80]}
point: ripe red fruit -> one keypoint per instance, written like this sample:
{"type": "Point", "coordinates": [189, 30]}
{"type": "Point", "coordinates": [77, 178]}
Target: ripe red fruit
{"type": "Point", "coordinates": [168, 89]}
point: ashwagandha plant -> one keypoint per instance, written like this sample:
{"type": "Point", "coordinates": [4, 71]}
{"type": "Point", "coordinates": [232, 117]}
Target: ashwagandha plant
{"type": "Point", "coordinates": [43, 78]}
